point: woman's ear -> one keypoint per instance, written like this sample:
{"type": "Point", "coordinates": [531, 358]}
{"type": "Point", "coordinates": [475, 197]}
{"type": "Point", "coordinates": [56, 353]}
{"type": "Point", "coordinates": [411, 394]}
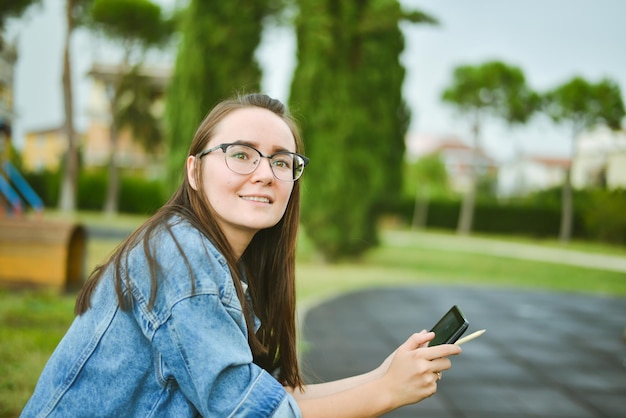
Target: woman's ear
{"type": "Point", "coordinates": [191, 171]}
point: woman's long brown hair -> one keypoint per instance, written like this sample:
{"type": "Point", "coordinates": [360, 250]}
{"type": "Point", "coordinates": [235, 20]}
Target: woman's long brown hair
{"type": "Point", "coordinates": [268, 263]}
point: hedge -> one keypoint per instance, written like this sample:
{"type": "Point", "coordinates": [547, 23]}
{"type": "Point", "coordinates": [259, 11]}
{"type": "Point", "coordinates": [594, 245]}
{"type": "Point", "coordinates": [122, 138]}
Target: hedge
{"type": "Point", "coordinates": [137, 195]}
{"type": "Point", "coordinates": [598, 215]}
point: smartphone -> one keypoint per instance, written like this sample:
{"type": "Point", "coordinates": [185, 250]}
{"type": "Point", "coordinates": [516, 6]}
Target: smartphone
{"type": "Point", "coordinates": [450, 327]}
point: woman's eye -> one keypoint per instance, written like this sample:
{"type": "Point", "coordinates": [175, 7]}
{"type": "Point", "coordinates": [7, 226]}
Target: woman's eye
{"type": "Point", "coordinates": [281, 163]}
{"type": "Point", "coordinates": [239, 156]}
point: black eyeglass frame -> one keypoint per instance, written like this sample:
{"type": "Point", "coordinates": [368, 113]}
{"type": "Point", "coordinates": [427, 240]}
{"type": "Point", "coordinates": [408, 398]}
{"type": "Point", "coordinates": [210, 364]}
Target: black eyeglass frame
{"type": "Point", "coordinates": [224, 147]}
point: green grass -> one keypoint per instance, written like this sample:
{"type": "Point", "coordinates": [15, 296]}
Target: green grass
{"type": "Point", "coordinates": [33, 322]}
{"type": "Point", "coordinates": [118, 221]}
{"type": "Point", "coordinates": [31, 325]}
{"type": "Point", "coordinates": [415, 261]}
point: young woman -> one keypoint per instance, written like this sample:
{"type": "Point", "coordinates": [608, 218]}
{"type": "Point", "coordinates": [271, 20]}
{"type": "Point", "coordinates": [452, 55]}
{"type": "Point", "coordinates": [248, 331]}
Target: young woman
{"type": "Point", "coordinates": [194, 314]}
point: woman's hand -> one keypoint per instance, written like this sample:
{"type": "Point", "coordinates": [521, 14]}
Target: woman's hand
{"type": "Point", "coordinates": [407, 376]}
{"type": "Point", "coordinates": [382, 369]}
{"type": "Point", "coordinates": [411, 372]}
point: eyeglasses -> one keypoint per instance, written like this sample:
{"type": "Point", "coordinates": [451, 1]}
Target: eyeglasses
{"type": "Point", "coordinates": [244, 159]}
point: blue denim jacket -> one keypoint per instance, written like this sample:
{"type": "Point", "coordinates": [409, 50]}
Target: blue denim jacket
{"type": "Point", "coordinates": [188, 356]}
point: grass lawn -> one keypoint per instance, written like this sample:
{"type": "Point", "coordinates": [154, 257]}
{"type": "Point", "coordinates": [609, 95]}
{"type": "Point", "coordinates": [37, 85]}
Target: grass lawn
{"type": "Point", "coordinates": [32, 323]}
{"type": "Point", "coordinates": [408, 257]}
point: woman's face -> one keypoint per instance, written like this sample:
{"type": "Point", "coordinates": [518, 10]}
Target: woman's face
{"type": "Point", "coordinates": [246, 203]}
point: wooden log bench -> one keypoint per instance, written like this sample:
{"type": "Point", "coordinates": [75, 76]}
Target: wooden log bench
{"type": "Point", "coordinates": [41, 253]}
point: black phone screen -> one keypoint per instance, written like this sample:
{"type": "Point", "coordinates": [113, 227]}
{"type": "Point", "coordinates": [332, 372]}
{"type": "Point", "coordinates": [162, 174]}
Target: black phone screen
{"type": "Point", "coordinates": [450, 327]}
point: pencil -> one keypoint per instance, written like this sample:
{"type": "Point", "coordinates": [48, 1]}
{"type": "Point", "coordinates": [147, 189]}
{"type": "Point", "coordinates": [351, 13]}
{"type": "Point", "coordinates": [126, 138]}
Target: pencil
{"type": "Point", "coordinates": [470, 337]}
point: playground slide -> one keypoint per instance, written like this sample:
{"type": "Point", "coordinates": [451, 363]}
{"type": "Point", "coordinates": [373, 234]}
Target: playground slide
{"type": "Point", "coordinates": [10, 195]}
{"type": "Point", "coordinates": [22, 186]}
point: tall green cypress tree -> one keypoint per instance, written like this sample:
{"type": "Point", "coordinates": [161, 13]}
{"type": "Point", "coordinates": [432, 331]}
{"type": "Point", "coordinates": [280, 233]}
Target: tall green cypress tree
{"type": "Point", "coordinates": [347, 89]}
{"type": "Point", "coordinates": [215, 60]}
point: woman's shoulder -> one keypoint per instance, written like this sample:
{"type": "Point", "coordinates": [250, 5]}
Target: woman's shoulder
{"type": "Point", "coordinates": [186, 262]}
{"type": "Point", "coordinates": [178, 248]}
{"type": "Point", "coordinates": [178, 235]}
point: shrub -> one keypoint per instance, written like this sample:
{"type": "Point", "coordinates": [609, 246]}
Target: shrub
{"type": "Point", "coordinates": [137, 195]}
{"type": "Point", "coordinates": [141, 196]}
{"type": "Point", "coordinates": [605, 218]}
{"type": "Point", "coordinates": [92, 190]}
{"type": "Point", "coordinates": [47, 185]}
{"type": "Point", "coordinates": [520, 218]}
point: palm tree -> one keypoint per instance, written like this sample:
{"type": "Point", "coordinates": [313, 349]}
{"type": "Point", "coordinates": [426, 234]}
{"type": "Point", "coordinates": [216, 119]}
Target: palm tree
{"type": "Point", "coordinates": [136, 25]}
{"type": "Point", "coordinates": [75, 14]}
{"type": "Point", "coordinates": [491, 89]}
{"type": "Point", "coordinates": [582, 105]}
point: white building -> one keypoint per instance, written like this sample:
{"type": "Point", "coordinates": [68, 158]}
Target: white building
{"type": "Point", "coordinates": [530, 173]}
{"type": "Point", "coordinates": [600, 159]}
{"type": "Point", "coordinates": [456, 156]}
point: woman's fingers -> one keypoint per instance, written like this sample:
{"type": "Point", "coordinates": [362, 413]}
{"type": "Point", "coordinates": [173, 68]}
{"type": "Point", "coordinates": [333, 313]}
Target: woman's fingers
{"type": "Point", "coordinates": [443, 350]}
{"type": "Point", "coordinates": [440, 364]}
{"type": "Point", "coordinates": [417, 341]}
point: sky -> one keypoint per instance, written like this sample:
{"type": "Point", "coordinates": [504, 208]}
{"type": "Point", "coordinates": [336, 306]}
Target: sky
{"type": "Point", "coordinates": [550, 40]}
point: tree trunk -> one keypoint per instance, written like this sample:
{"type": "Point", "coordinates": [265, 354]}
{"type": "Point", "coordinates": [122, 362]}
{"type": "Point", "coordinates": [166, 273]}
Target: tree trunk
{"type": "Point", "coordinates": [111, 203]}
{"type": "Point", "coordinates": [420, 210]}
{"type": "Point", "coordinates": [567, 196]}
{"type": "Point", "coordinates": [567, 208]}
{"type": "Point", "coordinates": [466, 215]}
{"type": "Point", "coordinates": [67, 200]}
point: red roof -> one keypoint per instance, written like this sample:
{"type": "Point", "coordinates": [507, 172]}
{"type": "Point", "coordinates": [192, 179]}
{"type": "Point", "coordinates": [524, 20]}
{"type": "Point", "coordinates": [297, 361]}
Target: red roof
{"type": "Point", "coordinates": [551, 161]}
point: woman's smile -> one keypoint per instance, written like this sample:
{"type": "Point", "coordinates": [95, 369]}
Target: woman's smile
{"type": "Point", "coordinates": [260, 199]}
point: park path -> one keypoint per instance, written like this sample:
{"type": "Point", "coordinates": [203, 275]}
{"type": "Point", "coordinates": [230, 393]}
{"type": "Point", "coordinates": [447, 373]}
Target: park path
{"type": "Point", "coordinates": [545, 354]}
{"type": "Point", "coordinates": [477, 245]}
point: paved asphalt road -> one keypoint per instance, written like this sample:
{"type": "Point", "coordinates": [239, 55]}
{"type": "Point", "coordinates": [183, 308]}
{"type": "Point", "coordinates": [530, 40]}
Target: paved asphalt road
{"type": "Point", "coordinates": [543, 355]}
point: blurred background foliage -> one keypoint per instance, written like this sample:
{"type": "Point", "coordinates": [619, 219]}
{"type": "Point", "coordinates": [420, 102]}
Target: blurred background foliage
{"type": "Point", "coordinates": [346, 92]}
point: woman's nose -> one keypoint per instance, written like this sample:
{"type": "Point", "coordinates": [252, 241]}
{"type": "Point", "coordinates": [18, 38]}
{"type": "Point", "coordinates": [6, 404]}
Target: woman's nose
{"type": "Point", "coordinates": [264, 170]}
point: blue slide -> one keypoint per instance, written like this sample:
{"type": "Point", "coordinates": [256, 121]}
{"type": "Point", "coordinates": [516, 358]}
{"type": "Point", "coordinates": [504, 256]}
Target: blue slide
{"type": "Point", "coordinates": [22, 186]}
{"type": "Point", "coordinates": [10, 195]}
